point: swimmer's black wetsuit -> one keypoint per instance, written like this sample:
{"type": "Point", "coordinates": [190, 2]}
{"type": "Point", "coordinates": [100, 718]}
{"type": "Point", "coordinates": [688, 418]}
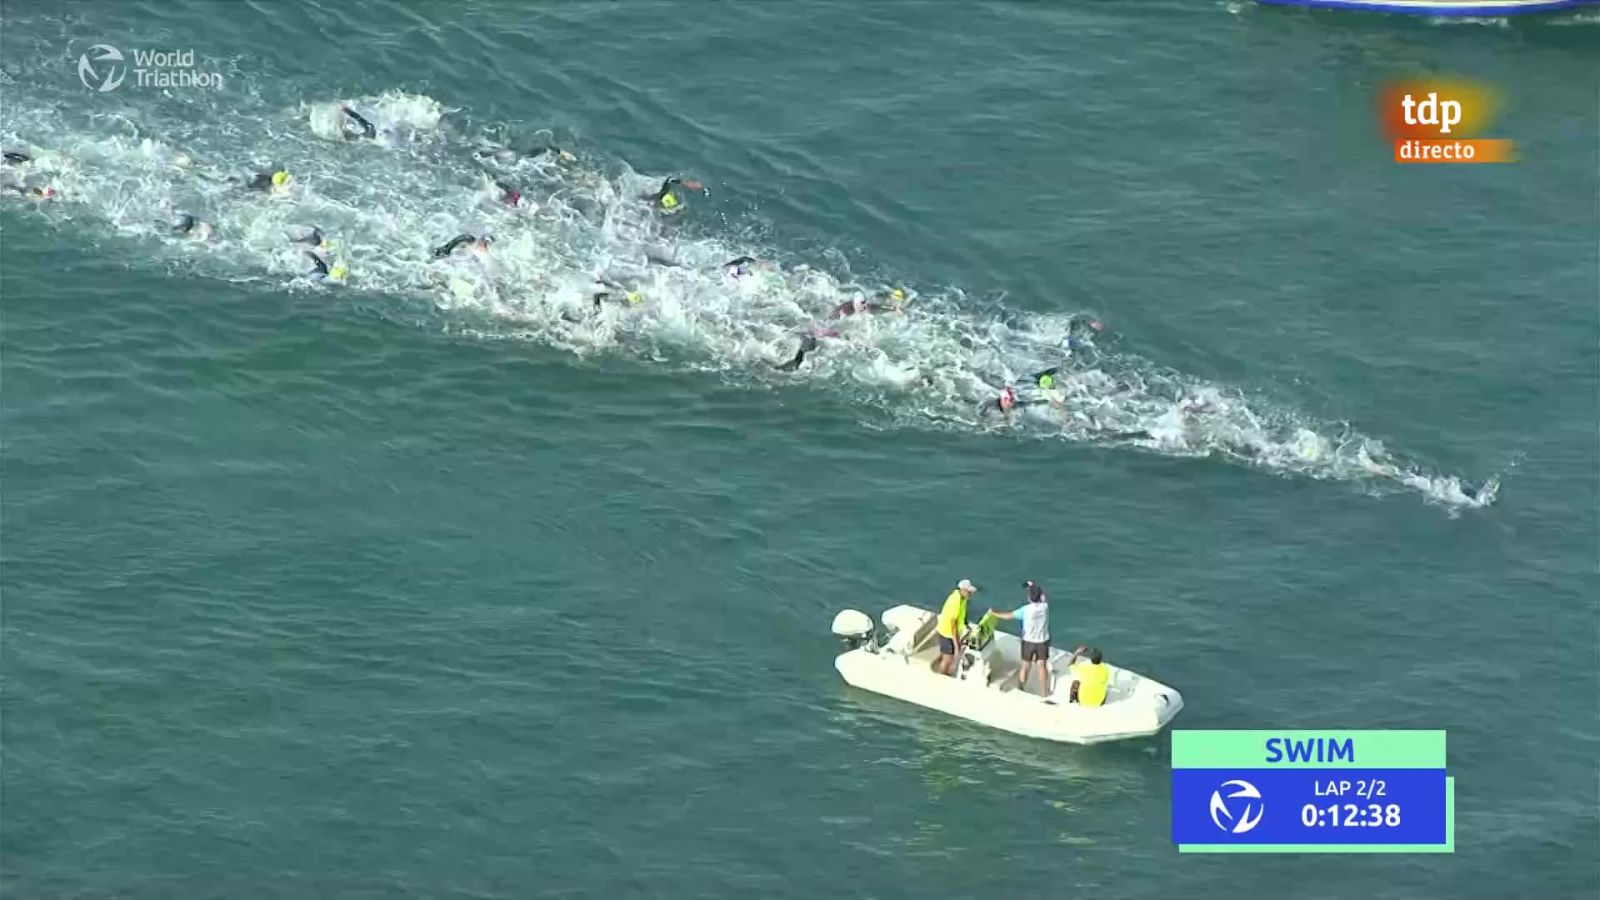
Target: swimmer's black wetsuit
{"type": "Point", "coordinates": [450, 246]}
{"type": "Point", "coordinates": [666, 188]}
{"type": "Point", "coordinates": [807, 344]}
{"type": "Point", "coordinates": [367, 131]}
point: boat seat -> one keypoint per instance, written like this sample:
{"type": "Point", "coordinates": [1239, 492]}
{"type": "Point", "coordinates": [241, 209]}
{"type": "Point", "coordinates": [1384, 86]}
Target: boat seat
{"type": "Point", "coordinates": [923, 635]}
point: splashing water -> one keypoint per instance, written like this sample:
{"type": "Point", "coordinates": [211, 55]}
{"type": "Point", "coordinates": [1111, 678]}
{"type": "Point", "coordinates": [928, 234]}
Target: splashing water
{"type": "Point", "coordinates": [582, 228]}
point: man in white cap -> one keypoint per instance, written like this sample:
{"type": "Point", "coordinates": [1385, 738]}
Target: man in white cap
{"type": "Point", "coordinates": [952, 621]}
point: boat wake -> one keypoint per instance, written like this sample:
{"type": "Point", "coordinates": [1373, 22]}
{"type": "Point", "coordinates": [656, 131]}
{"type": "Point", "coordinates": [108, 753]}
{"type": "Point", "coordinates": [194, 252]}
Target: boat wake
{"type": "Point", "coordinates": [582, 229]}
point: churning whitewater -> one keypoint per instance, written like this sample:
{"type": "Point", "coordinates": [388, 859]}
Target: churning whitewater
{"type": "Point", "coordinates": [429, 174]}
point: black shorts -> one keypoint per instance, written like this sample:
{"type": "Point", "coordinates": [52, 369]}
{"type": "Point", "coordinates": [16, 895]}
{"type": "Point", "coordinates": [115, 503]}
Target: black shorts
{"type": "Point", "coordinates": [947, 646]}
{"type": "Point", "coordinates": [1032, 651]}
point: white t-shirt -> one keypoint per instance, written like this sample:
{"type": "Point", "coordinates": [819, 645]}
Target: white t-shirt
{"type": "Point", "coordinates": [1035, 618]}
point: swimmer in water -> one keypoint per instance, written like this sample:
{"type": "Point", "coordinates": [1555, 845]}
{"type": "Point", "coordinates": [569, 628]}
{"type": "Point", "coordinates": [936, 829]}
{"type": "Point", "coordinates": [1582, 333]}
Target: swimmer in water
{"type": "Point", "coordinates": [273, 182]}
{"type": "Point", "coordinates": [849, 308]}
{"type": "Point", "coordinates": [740, 267]}
{"type": "Point", "coordinates": [16, 158]}
{"type": "Point", "coordinates": [191, 227]}
{"type": "Point", "coordinates": [666, 199]}
{"type": "Point", "coordinates": [1081, 331]}
{"type": "Point", "coordinates": [362, 129]}
{"type": "Point", "coordinates": [895, 301]}
{"type": "Point", "coordinates": [479, 245]}
{"type": "Point", "coordinates": [631, 298]}
{"type": "Point", "coordinates": [551, 152]}
{"type": "Point", "coordinates": [34, 193]}
{"type": "Point", "coordinates": [321, 271]}
{"type": "Point", "coordinates": [1053, 393]}
{"type": "Point", "coordinates": [1006, 402]}
{"type": "Point", "coordinates": [1003, 404]}
{"type": "Point", "coordinates": [314, 238]}
{"type": "Point", "coordinates": [508, 155]}
{"type": "Point", "coordinates": [808, 344]}
{"type": "Point", "coordinates": [509, 195]}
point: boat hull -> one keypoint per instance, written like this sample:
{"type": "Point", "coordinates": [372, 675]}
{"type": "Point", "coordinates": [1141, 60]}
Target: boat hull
{"type": "Point", "coordinates": [1136, 706]}
{"type": "Point", "coordinates": [1478, 8]}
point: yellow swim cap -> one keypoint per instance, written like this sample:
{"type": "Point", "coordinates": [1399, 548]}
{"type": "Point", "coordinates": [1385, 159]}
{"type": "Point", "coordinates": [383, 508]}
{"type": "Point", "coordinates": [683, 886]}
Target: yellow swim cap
{"type": "Point", "coordinates": [339, 271]}
{"type": "Point", "coordinates": [669, 200]}
{"type": "Point", "coordinates": [897, 294]}
{"type": "Point", "coordinates": [280, 178]}
{"type": "Point", "coordinates": [634, 297]}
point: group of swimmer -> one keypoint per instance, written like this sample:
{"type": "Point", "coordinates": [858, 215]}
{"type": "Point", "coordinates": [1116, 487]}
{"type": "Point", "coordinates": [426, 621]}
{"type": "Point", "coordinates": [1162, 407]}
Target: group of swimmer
{"type": "Point", "coordinates": [24, 174]}
{"type": "Point", "coordinates": [16, 159]}
{"type": "Point", "coordinates": [669, 199]}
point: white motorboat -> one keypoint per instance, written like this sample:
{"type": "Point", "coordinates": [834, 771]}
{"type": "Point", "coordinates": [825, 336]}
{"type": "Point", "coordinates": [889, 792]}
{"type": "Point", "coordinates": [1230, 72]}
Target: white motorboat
{"type": "Point", "coordinates": [1476, 8]}
{"type": "Point", "coordinates": [899, 661]}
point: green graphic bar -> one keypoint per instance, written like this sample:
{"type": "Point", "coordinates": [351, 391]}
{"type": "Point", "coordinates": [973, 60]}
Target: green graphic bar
{"type": "Point", "coordinates": [1308, 749]}
{"type": "Point", "coordinates": [1449, 845]}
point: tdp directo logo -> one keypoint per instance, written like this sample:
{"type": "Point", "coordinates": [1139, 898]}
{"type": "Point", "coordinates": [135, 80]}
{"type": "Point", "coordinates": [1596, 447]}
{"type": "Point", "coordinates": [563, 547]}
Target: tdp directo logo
{"type": "Point", "coordinates": [1239, 810]}
{"type": "Point", "coordinates": [1440, 121]}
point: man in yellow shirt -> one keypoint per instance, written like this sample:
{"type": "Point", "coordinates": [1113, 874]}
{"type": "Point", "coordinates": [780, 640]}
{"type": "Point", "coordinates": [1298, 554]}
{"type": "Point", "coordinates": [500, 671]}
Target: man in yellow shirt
{"type": "Point", "coordinates": [953, 621]}
{"type": "Point", "coordinates": [1089, 688]}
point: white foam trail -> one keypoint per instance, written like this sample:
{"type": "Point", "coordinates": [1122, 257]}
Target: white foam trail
{"type": "Point", "coordinates": [386, 203]}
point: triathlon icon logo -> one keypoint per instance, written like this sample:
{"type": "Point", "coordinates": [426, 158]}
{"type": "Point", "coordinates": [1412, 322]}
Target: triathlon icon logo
{"type": "Point", "coordinates": [111, 72]}
{"type": "Point", "coordinates": [1225, 818]}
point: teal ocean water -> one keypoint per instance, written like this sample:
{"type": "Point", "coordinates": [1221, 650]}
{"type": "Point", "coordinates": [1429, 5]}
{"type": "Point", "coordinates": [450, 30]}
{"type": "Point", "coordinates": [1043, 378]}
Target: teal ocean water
{"type": "Point", "coordinates": [436, 582]}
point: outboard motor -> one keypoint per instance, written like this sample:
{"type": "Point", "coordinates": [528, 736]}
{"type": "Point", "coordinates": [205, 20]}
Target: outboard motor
{"type": "Point", "coordinates": [853, 628]}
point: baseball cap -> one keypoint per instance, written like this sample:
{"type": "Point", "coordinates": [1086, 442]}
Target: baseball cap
{"type": "Point", "coordinates": [966, 585]}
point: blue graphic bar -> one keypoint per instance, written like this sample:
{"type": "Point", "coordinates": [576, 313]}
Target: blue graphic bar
{"type": "Point", "coordinates": [1308, 806]}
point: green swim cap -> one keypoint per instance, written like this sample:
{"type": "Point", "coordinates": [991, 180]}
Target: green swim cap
{"type": "Point", "coordinates": [1047, 381]}
{"type": "Point", "coordinates": [280, 178]}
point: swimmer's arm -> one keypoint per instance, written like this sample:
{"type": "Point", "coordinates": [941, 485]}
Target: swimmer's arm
{"type": "Point", "coordinates": [450, 247]}
{"type": "Point", "coordinates": [366, 127]}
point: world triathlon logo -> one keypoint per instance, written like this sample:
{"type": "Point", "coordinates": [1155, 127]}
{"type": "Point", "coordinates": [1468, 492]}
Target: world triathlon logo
{"type": "Point", "coordinates": [101, 68]}
{"type": "Point", "coordinates": [1236, 817]}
